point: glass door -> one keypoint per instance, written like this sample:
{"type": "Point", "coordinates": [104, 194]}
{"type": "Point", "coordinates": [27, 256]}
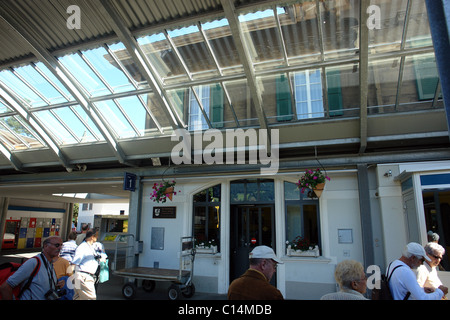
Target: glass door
{"type": "Point", "coordinates": [437, 219]}
{"type": "Point", "coordinates": [251, 226]}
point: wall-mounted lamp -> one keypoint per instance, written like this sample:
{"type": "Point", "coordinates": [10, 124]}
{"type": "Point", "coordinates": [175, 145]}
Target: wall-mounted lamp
{"type": "Point", "coordinates": [388, 173]}
{"type": "Point", "coordinates": [81, 167]}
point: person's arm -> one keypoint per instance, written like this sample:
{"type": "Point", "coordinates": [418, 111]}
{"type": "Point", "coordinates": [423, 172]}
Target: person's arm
{"type": "Point", "coordinates": [443, 289]}
{"type": "Point", "coordinates": [78, 257]}
{"type": "Point", "coordinates": [6, 291]}
{"type": "Point", "coordinates": [417, 292]}
{"type": "Point", "coordinates": [22, 274]}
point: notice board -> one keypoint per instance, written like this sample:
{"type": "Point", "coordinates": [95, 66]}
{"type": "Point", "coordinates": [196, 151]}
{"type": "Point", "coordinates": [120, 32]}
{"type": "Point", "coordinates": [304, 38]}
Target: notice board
{"type": "Point", "coordinates": [164, 212]}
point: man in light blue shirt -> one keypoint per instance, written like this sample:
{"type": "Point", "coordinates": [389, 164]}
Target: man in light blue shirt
{"type": "Point", "coordinates": [86, 261]}
{"type": "Point", "coordinates": [44, 282]}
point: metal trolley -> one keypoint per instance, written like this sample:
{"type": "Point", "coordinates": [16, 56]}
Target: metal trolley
{"type": "Point", "coordinates": [181, 279]}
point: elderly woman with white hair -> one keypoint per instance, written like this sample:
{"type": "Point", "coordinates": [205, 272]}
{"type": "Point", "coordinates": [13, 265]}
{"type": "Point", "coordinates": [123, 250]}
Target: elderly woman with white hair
{"type": "Point", "coordinates": [427, 276]}
{"type": "Point", "coordinates": [352, 280]}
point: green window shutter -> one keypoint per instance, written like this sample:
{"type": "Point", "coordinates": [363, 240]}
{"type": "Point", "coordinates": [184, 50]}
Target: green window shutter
{"type": "Point", "coordinates": [334, 92]}
{"type": "Point", "coordinates": [178, 96]}
{"type": "Point", "coordinates": [426, 77]}
{"type": "Point", "coordinates": [283, 99]}
{"type": "Point", "coordinates": [216, 115]}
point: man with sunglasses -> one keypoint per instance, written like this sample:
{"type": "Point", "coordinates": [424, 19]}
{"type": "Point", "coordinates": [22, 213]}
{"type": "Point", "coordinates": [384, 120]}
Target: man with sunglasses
{"type": "Point", "coordinates": [44, 282]}
{"type": "Point", "coordinates": [403, 282]}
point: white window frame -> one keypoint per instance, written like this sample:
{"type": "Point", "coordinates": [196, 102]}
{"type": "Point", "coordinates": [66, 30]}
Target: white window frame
{"type": "Point", "coordinates": [196, 119]}
{"type": "Point", "coordinates": [299, 100]}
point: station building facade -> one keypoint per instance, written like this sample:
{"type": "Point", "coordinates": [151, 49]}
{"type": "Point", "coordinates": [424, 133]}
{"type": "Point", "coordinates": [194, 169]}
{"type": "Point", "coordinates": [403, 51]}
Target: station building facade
{"type": "Point", "coordinates": [234, 105]}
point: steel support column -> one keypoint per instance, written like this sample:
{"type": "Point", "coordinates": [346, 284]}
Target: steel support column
{"type": "Point", "coordinates": [4, 203]}
{"type": "Point", "coordinates": [365, 215]}
{"type": "Point", "coordinates": [439, 19]}
{"type": "Point", "coordinates": [363, 72]}
{"type": "Point", "coordinates": [134, 216]}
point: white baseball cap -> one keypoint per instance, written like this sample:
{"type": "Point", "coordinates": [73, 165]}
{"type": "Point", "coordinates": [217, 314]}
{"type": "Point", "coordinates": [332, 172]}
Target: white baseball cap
{"type": "Point", "coordinates": [417, 250]}
{"type": "Point", "coordinates": [264, 252]}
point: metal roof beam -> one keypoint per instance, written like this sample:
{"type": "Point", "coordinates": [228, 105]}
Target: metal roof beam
{"type": "Point", "coordinates": [17, 165]}
{"type": "Point", "coordinates": [34, 124]}
{"type": "Point", "coordinates": [66, 79]}
{"type": "Point", "coordinates": [402, 59]}
{"type": "Point", "coordinates": [141, 61]}
{"type": "Point", "coordinates": [236, 31]}
{"type": "Point", "coordinates": [363, 71]}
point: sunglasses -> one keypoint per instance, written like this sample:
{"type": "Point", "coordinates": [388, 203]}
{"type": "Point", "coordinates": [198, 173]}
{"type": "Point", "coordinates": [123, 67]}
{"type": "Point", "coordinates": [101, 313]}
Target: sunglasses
{"type": "Point", "coordinates": [57, 245]}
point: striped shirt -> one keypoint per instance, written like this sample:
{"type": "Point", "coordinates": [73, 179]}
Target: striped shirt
{"type": "Point", "coordinates": [68, 250]}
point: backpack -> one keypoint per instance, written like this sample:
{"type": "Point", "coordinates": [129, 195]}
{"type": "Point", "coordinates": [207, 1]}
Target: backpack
{"type": "Point", "coordinates": [7, 269]}
{"type": "Point", "coordinates": [384, 292]}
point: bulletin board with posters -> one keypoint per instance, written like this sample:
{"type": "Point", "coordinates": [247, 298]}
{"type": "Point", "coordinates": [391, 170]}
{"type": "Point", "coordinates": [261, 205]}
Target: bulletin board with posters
{"type": "Point", "coordinates": [36, 224]}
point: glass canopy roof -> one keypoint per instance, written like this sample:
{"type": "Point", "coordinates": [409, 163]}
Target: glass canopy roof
{"type": "Point", "coordinates": [304, 56]}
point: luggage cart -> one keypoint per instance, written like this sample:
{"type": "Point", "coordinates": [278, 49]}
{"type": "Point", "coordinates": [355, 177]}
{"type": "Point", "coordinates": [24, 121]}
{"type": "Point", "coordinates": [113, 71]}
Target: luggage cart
{"type": "Point", "coordinates": [181, 279]}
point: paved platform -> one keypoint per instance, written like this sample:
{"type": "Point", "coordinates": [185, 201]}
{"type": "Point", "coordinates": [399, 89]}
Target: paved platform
{"type": "Point", "coordinates": [112, 290]}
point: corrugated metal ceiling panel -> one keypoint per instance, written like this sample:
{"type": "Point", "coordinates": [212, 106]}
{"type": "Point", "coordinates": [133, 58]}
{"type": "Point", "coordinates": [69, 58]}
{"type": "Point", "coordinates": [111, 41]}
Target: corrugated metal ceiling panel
{"type": "Point", "coordinates": [46, 21]}
{"type": "Point", "coordinates": [13, 47]}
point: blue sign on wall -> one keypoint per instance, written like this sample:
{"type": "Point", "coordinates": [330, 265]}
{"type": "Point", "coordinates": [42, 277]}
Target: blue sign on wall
{"type": "Point", "coordinates": [434, 179]}
{"type": "Point", "coordinates": [129, 181]}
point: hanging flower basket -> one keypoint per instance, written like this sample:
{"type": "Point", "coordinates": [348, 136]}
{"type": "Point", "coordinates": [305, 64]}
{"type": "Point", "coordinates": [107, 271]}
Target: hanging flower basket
{"type": "Point", "coordinates": [163, 191]}
{"type": "Point", "coordinates": [314, 181]}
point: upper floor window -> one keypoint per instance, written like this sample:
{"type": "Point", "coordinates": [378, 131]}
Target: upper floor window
{"type": "Point", "coordinates": [197, 120]}
{"type": "Point", "coordinates": [308, 94]}
{"type": "Point", "coordinates": [211, 100]}
{"type": "Point", "coordinates": [87, 206]}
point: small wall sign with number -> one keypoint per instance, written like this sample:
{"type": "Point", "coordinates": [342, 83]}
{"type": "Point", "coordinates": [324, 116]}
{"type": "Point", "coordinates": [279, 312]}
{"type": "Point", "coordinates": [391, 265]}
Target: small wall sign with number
{"type": "Point", "coordinates": [129, 181]}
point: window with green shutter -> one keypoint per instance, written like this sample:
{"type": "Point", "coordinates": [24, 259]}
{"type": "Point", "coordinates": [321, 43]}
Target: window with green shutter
{"type": "Point", "coordinates": [216, 116]}
{"type": "Point", "coordinates": [334, 91]}
{"type": "Point", "coordinates": [426, 77]}
{"type": "Point", "coordinates": [196, 119]}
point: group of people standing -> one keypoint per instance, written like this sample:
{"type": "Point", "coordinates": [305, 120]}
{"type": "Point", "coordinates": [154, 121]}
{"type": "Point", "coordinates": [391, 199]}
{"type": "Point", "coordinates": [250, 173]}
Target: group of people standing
{"type": "Point", "coordinates": [77, 261]}
{"type": "Point", "coordinates": [412, 276]}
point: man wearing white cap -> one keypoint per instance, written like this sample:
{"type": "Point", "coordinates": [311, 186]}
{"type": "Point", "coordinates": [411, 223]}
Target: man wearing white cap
{"type": "Point", "coordinates": [254, 283]}
{"type": "Point", "coordinates": [403, 283]}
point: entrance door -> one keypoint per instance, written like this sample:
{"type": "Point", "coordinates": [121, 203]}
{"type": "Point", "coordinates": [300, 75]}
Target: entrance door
{"type": "Point", "coordinates": [251, 226]}
{"type": "Point", "coordinates": [437, 218]}
{"type": "Point", "coordinates": [409, 205]}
